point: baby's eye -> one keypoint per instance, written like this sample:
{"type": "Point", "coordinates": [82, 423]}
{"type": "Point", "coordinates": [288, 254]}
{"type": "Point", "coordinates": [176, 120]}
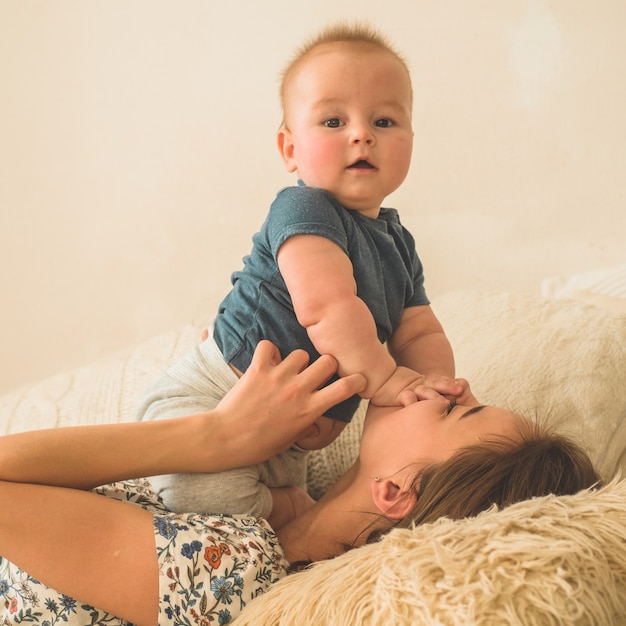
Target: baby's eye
{"type": "Point", "coordinates": [383, 123]}
{"type": "Point", "coordinates": [333, 122]}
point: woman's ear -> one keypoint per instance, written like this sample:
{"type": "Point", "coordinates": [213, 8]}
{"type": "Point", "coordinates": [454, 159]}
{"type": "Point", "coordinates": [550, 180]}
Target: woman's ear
{"type": "Point", "coordinates": [284, 141]}
{"type": "Point", "coordinates": [393, 500]}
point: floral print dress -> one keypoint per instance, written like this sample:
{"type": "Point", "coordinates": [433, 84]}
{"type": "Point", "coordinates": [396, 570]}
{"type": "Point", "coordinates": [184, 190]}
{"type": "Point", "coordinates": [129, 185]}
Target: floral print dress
{"type": "Point", "coordinates": [210, 567]}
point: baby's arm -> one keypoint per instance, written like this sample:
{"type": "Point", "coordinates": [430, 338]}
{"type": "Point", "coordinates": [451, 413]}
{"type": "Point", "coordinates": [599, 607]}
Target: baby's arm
{"type": "Point", "coordinates": [420, 344]}
{"type": "Point", "coordinates": [320, 280]}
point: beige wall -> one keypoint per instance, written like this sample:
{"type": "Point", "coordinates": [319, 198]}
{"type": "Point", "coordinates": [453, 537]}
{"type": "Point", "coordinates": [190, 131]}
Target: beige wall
{"type": "Point", "coordinates": [137, 153]}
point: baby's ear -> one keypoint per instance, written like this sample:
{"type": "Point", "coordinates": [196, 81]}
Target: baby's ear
{"type": "Point", "coordinates": [284, 141]}
{"type": "Point", "coordinates": [392, 500]}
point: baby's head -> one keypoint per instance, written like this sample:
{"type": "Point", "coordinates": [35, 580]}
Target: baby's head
{"type": "Point", "coordinates": [358, 37]}
{"type": "Point", "coordinates": [347, 105]}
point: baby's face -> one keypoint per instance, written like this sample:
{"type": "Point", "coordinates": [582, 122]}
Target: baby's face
{"type": "Point", "coordinates": [322, 433]}
{"type": "Point", "coordinates": [348, 124]}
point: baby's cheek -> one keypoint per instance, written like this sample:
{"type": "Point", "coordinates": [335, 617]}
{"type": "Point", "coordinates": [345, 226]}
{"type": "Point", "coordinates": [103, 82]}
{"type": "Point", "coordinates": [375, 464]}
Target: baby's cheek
{"type": "Point", "coordinates": [320, 158]}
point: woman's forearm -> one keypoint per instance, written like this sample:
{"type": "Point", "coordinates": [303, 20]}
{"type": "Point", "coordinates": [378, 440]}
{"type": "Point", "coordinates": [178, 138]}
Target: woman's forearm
{"type": "Point", "coordinates": [86, 456]}
{"type": "Point", "coordinates": [83, 457]}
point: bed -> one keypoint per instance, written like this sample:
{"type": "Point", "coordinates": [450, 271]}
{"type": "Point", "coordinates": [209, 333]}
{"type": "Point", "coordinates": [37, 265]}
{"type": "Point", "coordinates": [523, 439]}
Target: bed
{"type": "Point", "coordinates": [557, 560]}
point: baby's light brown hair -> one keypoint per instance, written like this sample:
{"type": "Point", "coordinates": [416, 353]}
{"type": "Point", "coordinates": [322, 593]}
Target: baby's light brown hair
{"type": "Point", "coordinates": [359, 34]}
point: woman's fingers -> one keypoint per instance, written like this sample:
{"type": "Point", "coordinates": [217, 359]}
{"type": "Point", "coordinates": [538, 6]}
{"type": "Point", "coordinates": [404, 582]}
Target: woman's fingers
{"type": "Point", "coordinates": [338, 391]}
{"type": "Point", "coordinates": [277, 399]}
{"type": "Point", "coordinates": [265, 354]}
{"type": "Point", "coordinates": [315, 375]}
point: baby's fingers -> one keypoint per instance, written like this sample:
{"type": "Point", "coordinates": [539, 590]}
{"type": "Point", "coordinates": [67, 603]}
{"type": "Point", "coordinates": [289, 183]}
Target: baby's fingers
{"type": "Point", "coordinates": [425, 392]}
{"type": "Point", "coordinates": [407, 397]}
{"type": "Point", "coordinates": [442, 386]}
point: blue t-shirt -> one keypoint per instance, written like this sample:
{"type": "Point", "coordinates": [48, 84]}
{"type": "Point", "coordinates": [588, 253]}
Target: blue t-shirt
{"type": "Point", "coordinates": [388, 274]}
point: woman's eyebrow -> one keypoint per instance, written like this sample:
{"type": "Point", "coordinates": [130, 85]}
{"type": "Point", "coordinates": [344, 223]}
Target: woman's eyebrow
{"type": "Point", "coordinates": [474, 409]}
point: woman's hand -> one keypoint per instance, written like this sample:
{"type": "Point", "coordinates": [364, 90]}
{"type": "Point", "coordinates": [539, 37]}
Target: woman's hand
{"type": "Point", "coordinates": [276, 400]}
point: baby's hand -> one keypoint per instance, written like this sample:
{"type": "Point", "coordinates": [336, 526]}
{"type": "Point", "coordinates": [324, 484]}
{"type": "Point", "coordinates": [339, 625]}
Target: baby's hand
{"type": "Point", "coordinates": [466, 397]}
{"type": "Point", "coordinates": [437, 386]}
{"type": "Point", "coordinates": [398, 389]}
{"type": "Point", "coordinates": [406, 386]}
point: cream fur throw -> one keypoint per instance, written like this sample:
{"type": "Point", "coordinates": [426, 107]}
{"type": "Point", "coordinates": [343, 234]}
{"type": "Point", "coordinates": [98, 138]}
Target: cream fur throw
{"type": "Point", "coordinates": [547, 561]}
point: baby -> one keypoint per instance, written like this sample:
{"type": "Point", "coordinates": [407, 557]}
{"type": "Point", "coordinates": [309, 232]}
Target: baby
{"type": "Point", "coordinates": [330, 272]}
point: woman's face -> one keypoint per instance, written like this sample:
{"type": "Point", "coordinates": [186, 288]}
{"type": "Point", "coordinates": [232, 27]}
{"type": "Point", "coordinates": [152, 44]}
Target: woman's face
{"type": "Point", "coordinates": [427, 432]}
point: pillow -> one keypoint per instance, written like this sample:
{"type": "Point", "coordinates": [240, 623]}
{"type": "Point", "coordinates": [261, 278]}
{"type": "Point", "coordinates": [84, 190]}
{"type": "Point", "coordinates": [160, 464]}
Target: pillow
{"type": "Point", "coordinates": [608, 281]}
{"type": "Point", "coordinates": [546, 561]}
{"type": "Point", "coordinates": [609, 303]}
{"type": "Point", "coordinates": [561, 362]}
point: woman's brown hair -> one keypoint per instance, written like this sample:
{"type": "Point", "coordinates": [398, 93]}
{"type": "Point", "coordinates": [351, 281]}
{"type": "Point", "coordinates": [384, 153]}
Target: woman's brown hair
{"type": "Point", "coordinates": [500, 472]}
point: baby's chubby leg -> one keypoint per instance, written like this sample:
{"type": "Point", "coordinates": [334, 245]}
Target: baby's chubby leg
{"type": "Point", "coordinates": [194, 384]}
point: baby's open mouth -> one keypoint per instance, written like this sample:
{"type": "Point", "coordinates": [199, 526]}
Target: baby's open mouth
{"type": "Point", "coordinates": [361, 164]}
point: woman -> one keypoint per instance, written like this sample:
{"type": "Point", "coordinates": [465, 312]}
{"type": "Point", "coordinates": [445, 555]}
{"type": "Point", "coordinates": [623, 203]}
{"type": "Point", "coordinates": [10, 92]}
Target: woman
{"type": "Point", "coordinates": [102, 551]}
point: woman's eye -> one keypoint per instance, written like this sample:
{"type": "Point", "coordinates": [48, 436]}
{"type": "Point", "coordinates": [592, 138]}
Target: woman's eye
{"type": "Point", "coordinates": [450, 407]}
{"type": "Point", "coordinates": [383, 123]}
{"type": "Point", "coordinates": [333, 122]}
